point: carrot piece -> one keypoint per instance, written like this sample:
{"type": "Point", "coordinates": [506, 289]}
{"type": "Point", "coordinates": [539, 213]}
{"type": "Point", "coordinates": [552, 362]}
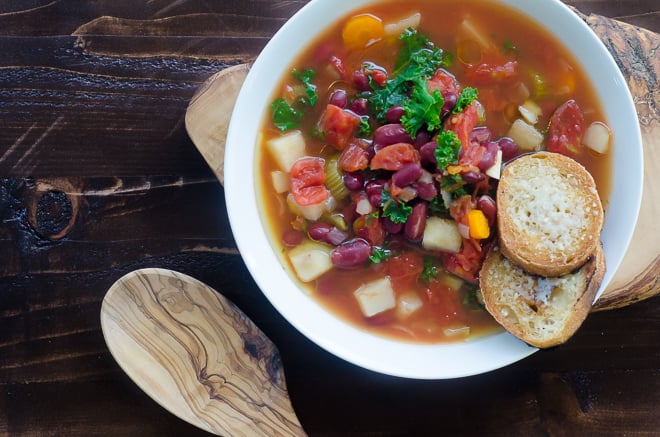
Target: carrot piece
{"type": "Point", "coordinates": [478, 224]}
{"type": "Point", "coordinates": [362, 30]}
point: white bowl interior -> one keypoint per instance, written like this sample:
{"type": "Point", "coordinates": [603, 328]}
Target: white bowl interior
{"type": "Point", "coordinates": [302, 311]}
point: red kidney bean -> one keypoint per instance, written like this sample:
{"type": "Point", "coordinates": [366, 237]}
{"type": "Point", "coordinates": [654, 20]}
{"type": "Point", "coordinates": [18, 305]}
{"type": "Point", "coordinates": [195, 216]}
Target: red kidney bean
{"type": "Point", "coordinates": [509, 148]}
{"type": "Point", "coordinates": [481, 135]}
{"type": "Point", "coordinates": [327, 233]}
{"type": "Point", "coordinates": [427, 156]}
{"type": "Point", "coordinates": [391, 227]}
{"type": "Point", "coordinates": [292, 238]}
{"type": "Point", "coordinates": [421, 138]}
{"type": "Point", "coordinates": [318, 231]}
{"type": "Point", "coordinates": [361, 81]}
{"type": "Point", "coordinates": [371, 151]}
{"type": "Point", "coordinates": [426, 191]}
{"type": "Point", "coordinates": [407, 174]}
{"type": "Point", "coordinates": [353, 181]}
{"type": "Point", "coordinates": [359, 106]}
{"type": "Point", "coordinates": [488, 206]}
{"type": "Point", "coordinates": [339, 98]}
{"type": "Point", "coordinates": [350, 254]}
{"type": "Point", "coordinates": [414, 227]}
{"type": "Point", "coordinates": [450, 102]}
{"type": "Point", "coordinates": [472, 177]}
{"type": "Point", "coordinates": [488, 158]}
{"type": "Point", "coordinates": [389, 134]}
{"type": "Point", "coordinates": [394, 114]}
{"type": "Point", "coordinates": [374, 189]}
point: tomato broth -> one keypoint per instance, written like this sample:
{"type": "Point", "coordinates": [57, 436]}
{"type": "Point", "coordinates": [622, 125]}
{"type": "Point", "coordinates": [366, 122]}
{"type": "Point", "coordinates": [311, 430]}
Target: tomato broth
{"type": "Point", "coordinates": [519, 71]}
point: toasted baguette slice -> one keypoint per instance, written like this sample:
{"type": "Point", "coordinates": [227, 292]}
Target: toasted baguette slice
{"type": "Point", "coordinates": [549, 213]}
{"type": "Point", "coordinates": [542, 311]}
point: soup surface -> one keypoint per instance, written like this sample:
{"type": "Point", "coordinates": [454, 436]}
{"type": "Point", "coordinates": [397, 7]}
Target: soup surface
{"type": "Point", "coordinates": [380, 157]}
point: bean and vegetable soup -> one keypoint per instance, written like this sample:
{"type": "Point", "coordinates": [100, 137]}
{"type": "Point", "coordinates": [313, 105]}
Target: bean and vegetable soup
{"type": "Point", "coordinates": [381, 153]}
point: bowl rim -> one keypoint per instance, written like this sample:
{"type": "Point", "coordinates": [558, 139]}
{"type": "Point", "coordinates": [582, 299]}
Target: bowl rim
{"type": "Point", "coordinates": [368, 350]}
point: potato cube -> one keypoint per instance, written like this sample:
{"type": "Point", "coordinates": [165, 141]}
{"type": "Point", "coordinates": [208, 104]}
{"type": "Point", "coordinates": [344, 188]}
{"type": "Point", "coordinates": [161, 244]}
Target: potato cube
{"type": "Point", "coordinates": [407, 303]}
{"type": "Point", "coordinates": [525, 135]}
{"type": "Point", "coordinates": [287, 149]}
{"type": "Point", "coordinates": [310, 260]}
{"type": "Point", "coordinates": [442, 234]}
{"type": "Point", "coordinates": [281, 182]}
{"type": "Point", "coordinates": [375, 297]}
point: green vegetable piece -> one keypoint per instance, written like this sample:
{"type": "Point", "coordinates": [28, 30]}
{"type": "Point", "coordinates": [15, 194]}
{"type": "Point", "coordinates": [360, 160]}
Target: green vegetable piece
{"type": "Point", "coordinates": [306, 77]}
{"type": "Point", "coordinates": [379, 255]}
{"type": "Point", "coordinates": [539, 85]}
{"type": "Point", "coordinates": [437, 207]}
{"type": "Point", "coordinates": [453, 184]}
{"type": "Point", "coordinates": [417, 60]}
{"type": "Point", "coordinates": [430, 271]}
{"type": "Point", "coordinates": [423, 108]}
{"type": "Point", "coordinates": [364, 130]}
{"type": "Point", "coordinates": [394, 209]}
{"type": "Point", "coordinates": [468, 95]}
{"type": "Point", "coordinates": [285, 117]}
{"type": "Point", "coordinates": [509, 48]}
{"type": "Point", "coordinates": [448, 149]}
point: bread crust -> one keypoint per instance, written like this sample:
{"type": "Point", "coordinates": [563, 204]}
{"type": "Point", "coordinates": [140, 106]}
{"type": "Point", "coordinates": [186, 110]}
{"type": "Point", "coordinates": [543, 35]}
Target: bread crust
{"type": "Point", "coordinates": [549, 213]}
{"type": "Point", "coordinates": [542, 311]}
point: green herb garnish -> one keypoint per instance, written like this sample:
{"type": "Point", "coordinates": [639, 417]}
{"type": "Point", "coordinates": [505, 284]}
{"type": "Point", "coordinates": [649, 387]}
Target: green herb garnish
{"type": "Point", "coordinates": [448, 149]}
{"type": "Point", "coordinates": [453, 184]}
{"type": "Point", "coordinates": [468, 95]}
{"type": "Point", "coordinates": [306, 77]}
{"type": "Point", "coordinates": [418, 60]}
{"type": "Point", "coordinates": [364, 130]}
{"type": "Point", "coordinates": [423, 108]}
{"type": "Point", "coordinates": [379, 254]}
{"type": "Point", "coordinates": [430, 270]}
{"type": "Point", "coordinates": [509, 47]}
{"type": "Point", "coordinates": [395, 210]}
{"type": "Point", "coordinates": [285, 117]}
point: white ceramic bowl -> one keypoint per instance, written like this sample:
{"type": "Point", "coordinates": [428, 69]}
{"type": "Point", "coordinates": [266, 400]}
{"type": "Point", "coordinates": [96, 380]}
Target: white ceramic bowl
{"type": "Point", "coordinates": [336, 336]}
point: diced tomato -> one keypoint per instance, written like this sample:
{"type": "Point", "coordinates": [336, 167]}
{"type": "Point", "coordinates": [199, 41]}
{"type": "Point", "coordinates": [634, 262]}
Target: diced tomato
{"type": "Point", "coordinates": [490, 74]}
{"type": "Point", "coordinates": [353, 158]}
{"type": "Point", "coordinates": [463, 123]}
{"type": "Point", "coordinates": [467, 262]}
{"type": "Point", "coordinates": [338, 126]}
{"type": "Point", "coordinates": [444, 82]}
{"type": "Point", "coordinates": [307, 177]}
{"type": "Point", "coordinates": [471, 155]}
{"type": "Point", "coordinates": [394, 157]}
{"type": "Point", "coordinates": [404, 269]}
{"type": "Point", "coordinates": [370, 229]}
{"type": "Point", "coordinates": [566, 128]}
{"type": "Point", "coordinates": [459, 208]}
{"type": "Point", "coordinates": [378, 76]}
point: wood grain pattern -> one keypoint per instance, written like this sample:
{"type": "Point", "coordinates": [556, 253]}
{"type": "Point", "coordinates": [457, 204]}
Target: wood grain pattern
{"type": "Point", "coordinates": [103, 123]}
{"type": "Point", "coordinates": [196, 354]}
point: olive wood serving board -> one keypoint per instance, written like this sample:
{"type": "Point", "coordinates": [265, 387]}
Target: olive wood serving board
{"type": "Point", "coordinates": [637, 53]}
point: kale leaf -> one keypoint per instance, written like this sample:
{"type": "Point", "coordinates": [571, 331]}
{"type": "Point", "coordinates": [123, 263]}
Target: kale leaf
{"type": "Point", "coordinates": [423, 108]}
{"type": "Point", "coordinates": [306, 77]}
{"type": "Point", "coordinates": [285, 117]}
{"type": "Point", "coordinates": [468, 95]}
{"type": "Point", "coordinates": [394, 209]}
{"type": "Point", "coordinates": [418, 59]}
{"type": "Point", "coordinates": [448, 149]}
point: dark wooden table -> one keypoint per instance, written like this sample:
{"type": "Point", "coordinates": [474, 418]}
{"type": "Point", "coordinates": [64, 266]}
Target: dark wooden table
{"type": "Point", "coordinates": [98, 177]}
